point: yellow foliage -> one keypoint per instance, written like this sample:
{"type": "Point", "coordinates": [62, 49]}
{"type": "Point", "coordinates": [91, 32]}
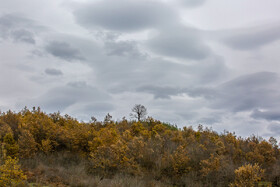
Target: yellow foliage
{"type": "Point", "coordinates": [137, 128]}
{"type": "Point", "coordinates": [220, 147]}
{"type": "Point", "coordinates": [27, 144]}
{"type": "Point", "coordinates": [210, 165]}
{"type": "Point", "coordinates": [112, 159]}
{"type": "Point", "coordinates": [158, 129]}
{"type": "Point", "coordinates": [138, 147]}
{"type": "Point", "coordinates": [230, 138]}
{"type": "Point", "coordinates": [247, 175]}
{"type": "Point", "coordinates": [180, 161]}
{"type": "Point", "coordinates": [149, 147]}
{"type": "Point", "coordinates": [94, 144]}
{"type": "Point", "coordinates": [127, 136]}
{"type": "Point", "coordinates": [4, 129]}
{"type": "Point", "coordinates": [11, 145]}
{"type": "Point", "coordinates": [10, 173]}
{"type": "Point", "coordinates": [46, 146]}
{"type": "Point", "coordinates": [177, 137]}
{"type": "Point", "coordinates": [261, 153]}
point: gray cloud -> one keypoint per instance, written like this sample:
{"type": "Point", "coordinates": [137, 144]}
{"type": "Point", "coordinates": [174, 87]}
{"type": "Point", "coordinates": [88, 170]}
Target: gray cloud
{"type": "Point", "coordinates": [245, 93]}
{"type": "Point", "coordinates": [209, 70]}
{"type": "Point", "coordinates": [64, 51]}
{"type": "Point", "coordinates": [99, 107]}
{"type": "Point", "coordinates": [124, 15]}
{"type": "Point", "coordinates": [253, 38]}
{"type": "Point", "coordinates": [158, 77]}
{"type": "Point", "coordinates": [179, 42]}
{"type": "Point", "coordinates": [258, 90]}
{"type": "Point", "coordinates": [23, 36]}
{"type": "Point", "coordinates": [123, 48]}
{"type": "Point", "coordinates": [206, 92]}
{"type": "Point", "coordinates": [160, 92]}
{"type": "Point", "coordinates": [62, 97]}
{"type": "Point", "coordinates": [18, 28]}
{"type": "Point", "coordinates": [116, 47]}
{"type": "Point", "coordinates": [165, 92]}
{"type": "Point", "coordinates": [148, 53]}
{"type": "Point", "coordinates": [128, 74]}
{"type": "Point", "coordinates": [38, 53]}
{"type": "Point", "coordinates": [274, 128]}
{"type": "Point", "coordinates": [210, 120]}
{"type": "Point", "coordinates": [192, 3]}
{"type": "Point", "coordinates": [84, 111]}
{"type": "Point", "coordinates": [54, 72]}
{"type": "Point", "coordinates": [271, 115]}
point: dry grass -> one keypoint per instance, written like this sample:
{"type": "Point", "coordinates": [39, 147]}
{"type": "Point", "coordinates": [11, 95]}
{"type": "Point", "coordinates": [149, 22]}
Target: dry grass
{"type": "Point", "coordinates": [66, 169]}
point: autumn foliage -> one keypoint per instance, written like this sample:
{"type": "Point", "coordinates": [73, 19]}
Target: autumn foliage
{"type": "Point", "coordinates": [147, 149]}
{"type": "Point", "coordinates": [248, 175]}
{"type": "Point", "coordinates": [10, 173]}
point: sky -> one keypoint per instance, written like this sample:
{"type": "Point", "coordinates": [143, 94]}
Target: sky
{"type": "Point", "coordinates": [189, 62]}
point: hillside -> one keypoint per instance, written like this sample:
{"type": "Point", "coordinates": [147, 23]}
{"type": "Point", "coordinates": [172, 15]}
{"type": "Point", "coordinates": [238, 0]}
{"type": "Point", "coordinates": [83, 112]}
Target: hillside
{"type": "Point", "coordinates": [56, 150]}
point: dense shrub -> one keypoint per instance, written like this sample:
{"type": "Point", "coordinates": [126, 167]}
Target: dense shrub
{"type": "Point", "coordinates": [147, 150]}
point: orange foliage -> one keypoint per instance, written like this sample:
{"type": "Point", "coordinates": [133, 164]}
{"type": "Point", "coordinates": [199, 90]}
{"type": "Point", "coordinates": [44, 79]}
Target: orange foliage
{"type": "Point", "coordinates": [148, 147]}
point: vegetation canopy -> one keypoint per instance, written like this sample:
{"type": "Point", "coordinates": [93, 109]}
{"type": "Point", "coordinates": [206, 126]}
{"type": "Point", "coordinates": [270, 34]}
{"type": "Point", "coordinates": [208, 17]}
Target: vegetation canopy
{"type": "Point", "coordinates": [55, 150]}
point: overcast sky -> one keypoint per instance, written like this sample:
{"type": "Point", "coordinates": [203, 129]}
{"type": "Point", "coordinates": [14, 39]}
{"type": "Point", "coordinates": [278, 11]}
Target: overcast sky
{"type": "Point", "coordinates": [189, 62]}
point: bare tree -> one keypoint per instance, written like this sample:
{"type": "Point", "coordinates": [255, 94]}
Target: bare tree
{"type": "Point", "coordinates": [93, 119]}
{"type": "Point", "coordinates": [108, 119]}
{"type": "Point", "coordinates": [139, 112]}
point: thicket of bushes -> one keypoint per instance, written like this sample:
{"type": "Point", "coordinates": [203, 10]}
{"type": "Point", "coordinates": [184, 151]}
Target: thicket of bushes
{"type": "Point", "coordinates": [59, 150]}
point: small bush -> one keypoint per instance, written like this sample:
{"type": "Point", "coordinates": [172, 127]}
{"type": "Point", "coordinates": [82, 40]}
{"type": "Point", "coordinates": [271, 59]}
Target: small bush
{"type": "Point", "coordinates": [10, 173]}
